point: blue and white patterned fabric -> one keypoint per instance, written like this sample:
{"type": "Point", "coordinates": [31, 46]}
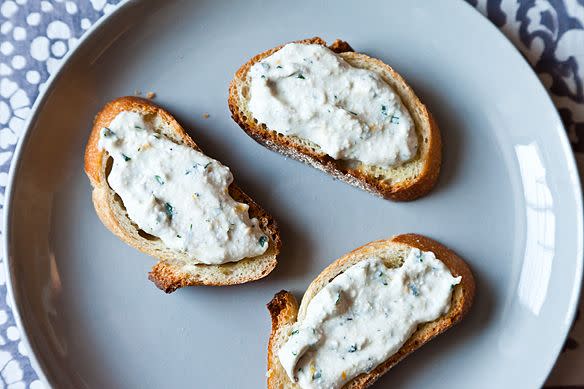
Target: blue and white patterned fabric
{"type": "Point", "coordinates": [35, 35]}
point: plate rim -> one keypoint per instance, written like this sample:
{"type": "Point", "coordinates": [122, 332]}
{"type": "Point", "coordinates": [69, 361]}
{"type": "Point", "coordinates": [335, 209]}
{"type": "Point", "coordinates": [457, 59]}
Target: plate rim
{"type": "Point", "coordinates": [14, 165]}
{"type": "Point", "coordinates": [103, 22]}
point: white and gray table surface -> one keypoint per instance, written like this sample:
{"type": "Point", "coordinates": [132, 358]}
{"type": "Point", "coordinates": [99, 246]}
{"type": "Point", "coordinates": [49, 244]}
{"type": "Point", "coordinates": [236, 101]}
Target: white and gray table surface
{"type": "Point", "coordinates": [35, 35]}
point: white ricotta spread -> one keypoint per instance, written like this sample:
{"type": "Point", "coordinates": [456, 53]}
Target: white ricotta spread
{"type": "Point", "coordinates": [308, 91]}
{"type": "Point", "coordinates": [178, 194]}
{"type": "Point", "coordinates": [363, 316]}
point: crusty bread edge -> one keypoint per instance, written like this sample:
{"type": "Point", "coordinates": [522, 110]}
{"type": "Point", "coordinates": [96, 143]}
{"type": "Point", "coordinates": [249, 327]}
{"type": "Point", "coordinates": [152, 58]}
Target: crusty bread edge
{"type": "Point", "coordinates": [284, 309]}
{"type": "Point", "coordinates": [401, 191]}
{"type": "Point", "coordinates": [164, 274]}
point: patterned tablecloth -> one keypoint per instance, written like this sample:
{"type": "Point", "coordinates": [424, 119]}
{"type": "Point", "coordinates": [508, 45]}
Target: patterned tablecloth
{"type": "Point", "coordinates": [35, 35]}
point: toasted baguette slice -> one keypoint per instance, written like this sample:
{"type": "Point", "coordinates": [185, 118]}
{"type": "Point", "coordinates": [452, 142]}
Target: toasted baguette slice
{"type": "Point", "coordinates": [406, 181]}
{"type": "Point", "coordinates": [175, 269]}
{"type": "Point", "coordinates": [285, 312]}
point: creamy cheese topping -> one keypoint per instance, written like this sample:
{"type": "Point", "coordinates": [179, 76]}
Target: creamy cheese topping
{"type": "Point", "coordinates": [363, 316]}
{"type": "Point", "coordinates": [178, 194]}
{"type": "Point", "coordinates": [310, 92]}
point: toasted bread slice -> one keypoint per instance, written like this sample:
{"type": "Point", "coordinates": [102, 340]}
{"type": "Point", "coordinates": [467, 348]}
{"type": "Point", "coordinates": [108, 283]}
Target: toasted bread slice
{"type": "Point", "coordinates": [406, 181]}
{"type": "Point", "coordinates": [285, 311]}
{"type": "Point", "coordinates": [175, 269]}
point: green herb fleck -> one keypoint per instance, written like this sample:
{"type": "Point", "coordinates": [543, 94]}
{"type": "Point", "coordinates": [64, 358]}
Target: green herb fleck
{"type": "Point", "coordinates": [191, 227]}
{"type": "Point", "coordinates": [178, 236]}
{"type": "Point", "coordinates": [349, 318]}
{"type": "Point", "coordinates": [207, 165]}
{"type": "Point", "coordinates": [338, 300]}
{"type": "Point", "coordinates": [414, 290]}
{"type": "Point", "coordinates": [138, 127]}
{"type": "Point", "coordinates": [263, 240]}
{"type": "Point", "coordinates": [317, 375]}
{"type": "Point", "coordinates": [262, 76]}
{"type": "Point", "coordinates": [353, 348]}
{"type": "Point", "coordinates": [126, 158]}
{"type": "Point", "coordinates": [278, 67]}
{"type": "Point", "coordinates": [294, 332]}
{"type": "Point", "coordinates": [107, 132]}
{"type": "Point", "coordinates": [452, 286]}
{"type": "Point", "coordinates": [159, 179]}
{"type": "Point", "coordinates": [294, 353]}
{"type": "Point", "coordinates": [352, 113]}
{"type": "Point", "coordinates": [157, 136]}
{"type": "Point", "coordinates": [384, 110]}
{"type": "Point", "coordinates": [300, 369]}
{"type": "Point", "coordinates": [169, 210]}
{"type": "Point", "coordinates": [265, 65]}
{"type": "Point", "coordinates": [394, 119]}
{"type": "Point", "coordinates": [300, 76]}
{"type": "Point", "coordinates": [187, 172]}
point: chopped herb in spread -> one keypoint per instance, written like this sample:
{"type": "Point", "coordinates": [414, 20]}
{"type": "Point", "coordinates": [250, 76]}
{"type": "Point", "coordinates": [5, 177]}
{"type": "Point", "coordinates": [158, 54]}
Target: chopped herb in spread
{"type": "Point", "coordinates": [394, 119]}
{"type": "Point", "coordinates": [352, 348]}
{"type": "Point", "coordinates": [126, 158]}
{"type": "Point", "coordinates": [294, 332]}
{"type": "Point", "coordinates": [169, 210]}
{"type": "Point", "coordinates": [414, 290]}
{"type": "Point", "coordinates": [278, 67]}
{"type": "Point", "coordinates": [384, 110]}
{"type": "Point", "coordinates": [159, 179]}
{"type": "Point", "coordinates": [317, 375]}
{"type": "Point", "coordinates": [263, 240]}
{"type": "Point", "coordinates": [207, 165]}
{"type": "Point", "coordinates": [300, 76]}
{"type": "Point", "coordinates": [107, 132]}
{"type": "Point", "coordinates": [178, 236]}
{"type": "Point", "coordinates": [138, 128]}
{"type": "Point", "coordinates": [352, 113]}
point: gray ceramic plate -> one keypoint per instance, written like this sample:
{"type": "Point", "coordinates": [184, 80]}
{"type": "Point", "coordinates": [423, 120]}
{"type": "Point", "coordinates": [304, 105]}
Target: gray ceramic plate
{"type": "Point", "coordinates": [508, 199]}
